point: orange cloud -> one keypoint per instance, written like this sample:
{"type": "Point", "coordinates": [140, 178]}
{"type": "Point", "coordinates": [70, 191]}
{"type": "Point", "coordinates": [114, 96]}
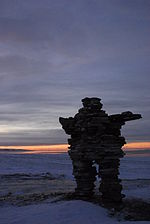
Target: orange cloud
{"type": "Point", "coordinates": [137, 145]}
{"type": "Point", "coordinates": [40, 148]}
{"type": "Point", "coordinates": [64, 147]}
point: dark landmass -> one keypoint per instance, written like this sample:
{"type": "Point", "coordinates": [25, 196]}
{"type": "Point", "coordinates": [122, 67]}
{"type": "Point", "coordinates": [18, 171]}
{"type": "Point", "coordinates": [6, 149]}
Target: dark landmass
{"type": "Point", "coordinates": [15, 150]}
{"type": "Point", "coordinates": [140, 151]}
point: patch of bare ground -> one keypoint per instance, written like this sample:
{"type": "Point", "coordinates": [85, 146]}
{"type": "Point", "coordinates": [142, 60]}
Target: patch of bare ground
{"type": "Point", "coordinates": [136, 210]}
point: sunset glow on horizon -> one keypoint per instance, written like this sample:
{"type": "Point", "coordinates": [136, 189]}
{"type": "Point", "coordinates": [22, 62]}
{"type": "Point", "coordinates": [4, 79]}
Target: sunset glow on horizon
{"type": "Point", "coordinates": [137, 145]}
{"type": "Point", "coordinates": [53, 148]}
{"type": "Point", "coordinates": [64, 147]}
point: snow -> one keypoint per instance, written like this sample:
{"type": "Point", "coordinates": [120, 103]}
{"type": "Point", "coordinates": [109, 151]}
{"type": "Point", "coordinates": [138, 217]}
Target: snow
{"type": "Point", "coordinates": [36, 163]}
{"type": "Point", "coordinates": [68, 212]}
{"type": "Point", "coordinates": [133, 170]}
{"type": "Point", "coordinates": [130, 167]}
{"type": "Point", "coordinates": [135, 167]}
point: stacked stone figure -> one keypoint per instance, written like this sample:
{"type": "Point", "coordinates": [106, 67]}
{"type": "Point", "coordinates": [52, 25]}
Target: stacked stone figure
{"type": "Point", "coordinates": [96, 139]}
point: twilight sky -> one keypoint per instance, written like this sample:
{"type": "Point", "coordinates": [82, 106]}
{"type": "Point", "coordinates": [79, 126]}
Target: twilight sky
{"type": "Point", "coordinates": [53, 53]}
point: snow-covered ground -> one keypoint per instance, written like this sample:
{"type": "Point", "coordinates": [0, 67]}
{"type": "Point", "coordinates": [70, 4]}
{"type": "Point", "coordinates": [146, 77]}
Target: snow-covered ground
{"type": "Point", "coordinates": [130, 167]}
{"type": "Point", "coordinates": [67, 212]}
{"type": "Point", "coordinates": [35, 163]}
{"type": "Point", "coordinates": [22, 174]}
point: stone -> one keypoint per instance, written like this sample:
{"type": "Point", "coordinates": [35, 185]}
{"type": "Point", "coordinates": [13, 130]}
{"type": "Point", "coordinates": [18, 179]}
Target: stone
{"type": "Point", "coordinates": [96, 139]}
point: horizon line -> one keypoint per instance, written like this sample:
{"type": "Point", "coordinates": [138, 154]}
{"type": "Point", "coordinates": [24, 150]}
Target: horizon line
{"type": "Point", "coordinates": [64, 147]}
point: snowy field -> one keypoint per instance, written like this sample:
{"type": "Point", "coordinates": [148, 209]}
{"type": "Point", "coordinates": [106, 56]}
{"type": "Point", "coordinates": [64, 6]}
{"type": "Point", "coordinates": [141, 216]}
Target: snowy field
{"type": "Point", "coordinates": [23, 177]}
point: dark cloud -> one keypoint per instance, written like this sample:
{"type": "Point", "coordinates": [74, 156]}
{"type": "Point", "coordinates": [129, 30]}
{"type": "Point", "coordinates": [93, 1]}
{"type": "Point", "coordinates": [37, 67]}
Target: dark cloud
{"type": "Point", "coordinates": [33, 137]}
{"type": "Point", "coordinates": [53, 53]}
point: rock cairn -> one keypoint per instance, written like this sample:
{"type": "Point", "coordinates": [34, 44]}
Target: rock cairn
{"type": "Point", "coordinates": [96, 139]}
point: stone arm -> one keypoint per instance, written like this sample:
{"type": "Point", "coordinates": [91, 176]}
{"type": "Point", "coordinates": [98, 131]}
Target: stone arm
{"type": "Point", "coordinates": [125, 116]}
{"type": "Point", "coordinates": [67, 124]}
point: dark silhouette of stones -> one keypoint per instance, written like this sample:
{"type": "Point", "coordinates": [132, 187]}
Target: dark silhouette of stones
{"type": "Point", "coordinates": [96, 139]}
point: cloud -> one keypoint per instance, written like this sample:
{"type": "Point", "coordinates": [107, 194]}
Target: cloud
{"type": "Point", "coordinates": [53, 53]}
{"type": "Point", "coordinates": [33, 137]}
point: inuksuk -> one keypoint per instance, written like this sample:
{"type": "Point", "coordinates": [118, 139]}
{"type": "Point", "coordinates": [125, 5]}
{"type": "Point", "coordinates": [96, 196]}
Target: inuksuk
{"type": "Point", "coordinates": [96, 139]}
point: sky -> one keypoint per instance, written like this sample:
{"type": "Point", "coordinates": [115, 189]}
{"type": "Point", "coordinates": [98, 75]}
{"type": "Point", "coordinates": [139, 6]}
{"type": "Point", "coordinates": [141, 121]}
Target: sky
{"type": "Point", "coordinates": [53, 53]}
